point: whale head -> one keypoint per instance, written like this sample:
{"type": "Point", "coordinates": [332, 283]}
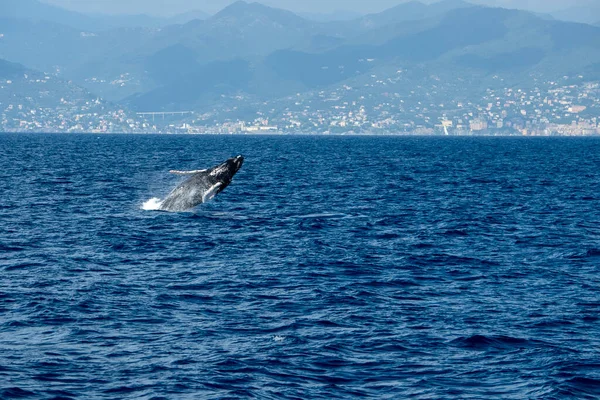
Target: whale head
{"type": "Point", "coordinates": [238, 161]}
{"type": "Point", "coordinates": [223, 173]}
{"type": "Point", "coordinates": [234, 164]}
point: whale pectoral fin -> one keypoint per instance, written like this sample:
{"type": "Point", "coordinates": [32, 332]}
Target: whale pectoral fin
{"type": "Point", "coordinates": [187, 172]}
{"type": "Point", "coordinates": [211, 193]}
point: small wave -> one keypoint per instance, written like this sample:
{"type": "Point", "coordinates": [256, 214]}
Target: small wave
{"type": "Point", "coordinates": [15, 392]}
{"type": "Point", "coordinates": [585, 385]}
{"type": "Point", "coordinates": [323, 216]}
{"type": "Point", "coordinates": [152, 204]}
{"type": "Point", "coordinates": [493, 342]}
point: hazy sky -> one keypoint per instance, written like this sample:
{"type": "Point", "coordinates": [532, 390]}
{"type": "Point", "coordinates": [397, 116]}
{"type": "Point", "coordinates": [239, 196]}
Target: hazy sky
{"type": "Point", "coordinates": [171, 7]}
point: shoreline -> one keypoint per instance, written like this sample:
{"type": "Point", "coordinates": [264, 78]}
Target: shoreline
{"type": "Point", "coordinates": [386, 135]}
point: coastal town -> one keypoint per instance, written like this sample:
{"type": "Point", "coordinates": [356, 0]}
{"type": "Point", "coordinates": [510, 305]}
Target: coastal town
{"type": "Point", "coordinates": [569, 106]}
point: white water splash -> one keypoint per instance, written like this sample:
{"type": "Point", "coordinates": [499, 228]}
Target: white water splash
{"type": "Point", "coordinates": [152, 204]}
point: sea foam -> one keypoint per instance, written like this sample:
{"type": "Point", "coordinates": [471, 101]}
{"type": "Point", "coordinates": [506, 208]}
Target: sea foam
{"type": "Point", "coordinates": [152, 205]}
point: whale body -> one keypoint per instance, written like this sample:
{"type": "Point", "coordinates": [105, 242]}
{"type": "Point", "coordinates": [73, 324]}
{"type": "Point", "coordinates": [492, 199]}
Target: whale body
{"type": "Point", "coordinates": [201, 186]}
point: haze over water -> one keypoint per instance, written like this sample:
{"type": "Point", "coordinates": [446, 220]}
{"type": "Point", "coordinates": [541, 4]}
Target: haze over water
{"type": "Point", "coordinates": [329, 268]}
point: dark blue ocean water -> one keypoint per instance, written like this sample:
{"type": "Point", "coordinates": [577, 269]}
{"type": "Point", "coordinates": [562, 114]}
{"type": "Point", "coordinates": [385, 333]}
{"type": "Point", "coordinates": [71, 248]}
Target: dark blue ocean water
{"type": "Point", "coordinates": [427, 268]}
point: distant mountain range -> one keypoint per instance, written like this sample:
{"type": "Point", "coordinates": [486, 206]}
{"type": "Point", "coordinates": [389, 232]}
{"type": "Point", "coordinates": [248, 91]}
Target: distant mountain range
{"type": "Point", "coordinates": [587, 13]}
{"type": "Point", "coordinates": [340, 15]}
{"type": "Point", "coordinates": [260, 52]}
{"type": "Point", "coordinates": [10, 70]}
{"type": "Point", "coordinates": [34, 10]}
{"type": "Point", "coordinates": [21, 85]}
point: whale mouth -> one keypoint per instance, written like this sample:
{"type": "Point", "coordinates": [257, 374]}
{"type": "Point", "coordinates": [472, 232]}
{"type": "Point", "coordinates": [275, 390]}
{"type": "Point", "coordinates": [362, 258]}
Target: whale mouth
{"type": "Point", "coordinates": [239, 161]}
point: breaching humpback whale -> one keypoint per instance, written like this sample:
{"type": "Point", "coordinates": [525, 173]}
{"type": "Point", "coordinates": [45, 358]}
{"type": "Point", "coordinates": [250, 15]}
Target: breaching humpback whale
{"type": "Point", "coordinates": [201, 186]}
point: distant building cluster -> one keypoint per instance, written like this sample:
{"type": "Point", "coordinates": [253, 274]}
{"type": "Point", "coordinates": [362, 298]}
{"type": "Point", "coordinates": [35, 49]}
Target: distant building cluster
{"type": "Point", "coordinates": [566, 107]}
{"type": "Point", "coordinates": [551, 108]}
{"type": "Point", "coordinates": [30, 104]}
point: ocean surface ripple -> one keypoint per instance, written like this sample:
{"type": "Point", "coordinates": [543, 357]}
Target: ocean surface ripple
{"type": "Point", "coordinates": [425, 268]}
